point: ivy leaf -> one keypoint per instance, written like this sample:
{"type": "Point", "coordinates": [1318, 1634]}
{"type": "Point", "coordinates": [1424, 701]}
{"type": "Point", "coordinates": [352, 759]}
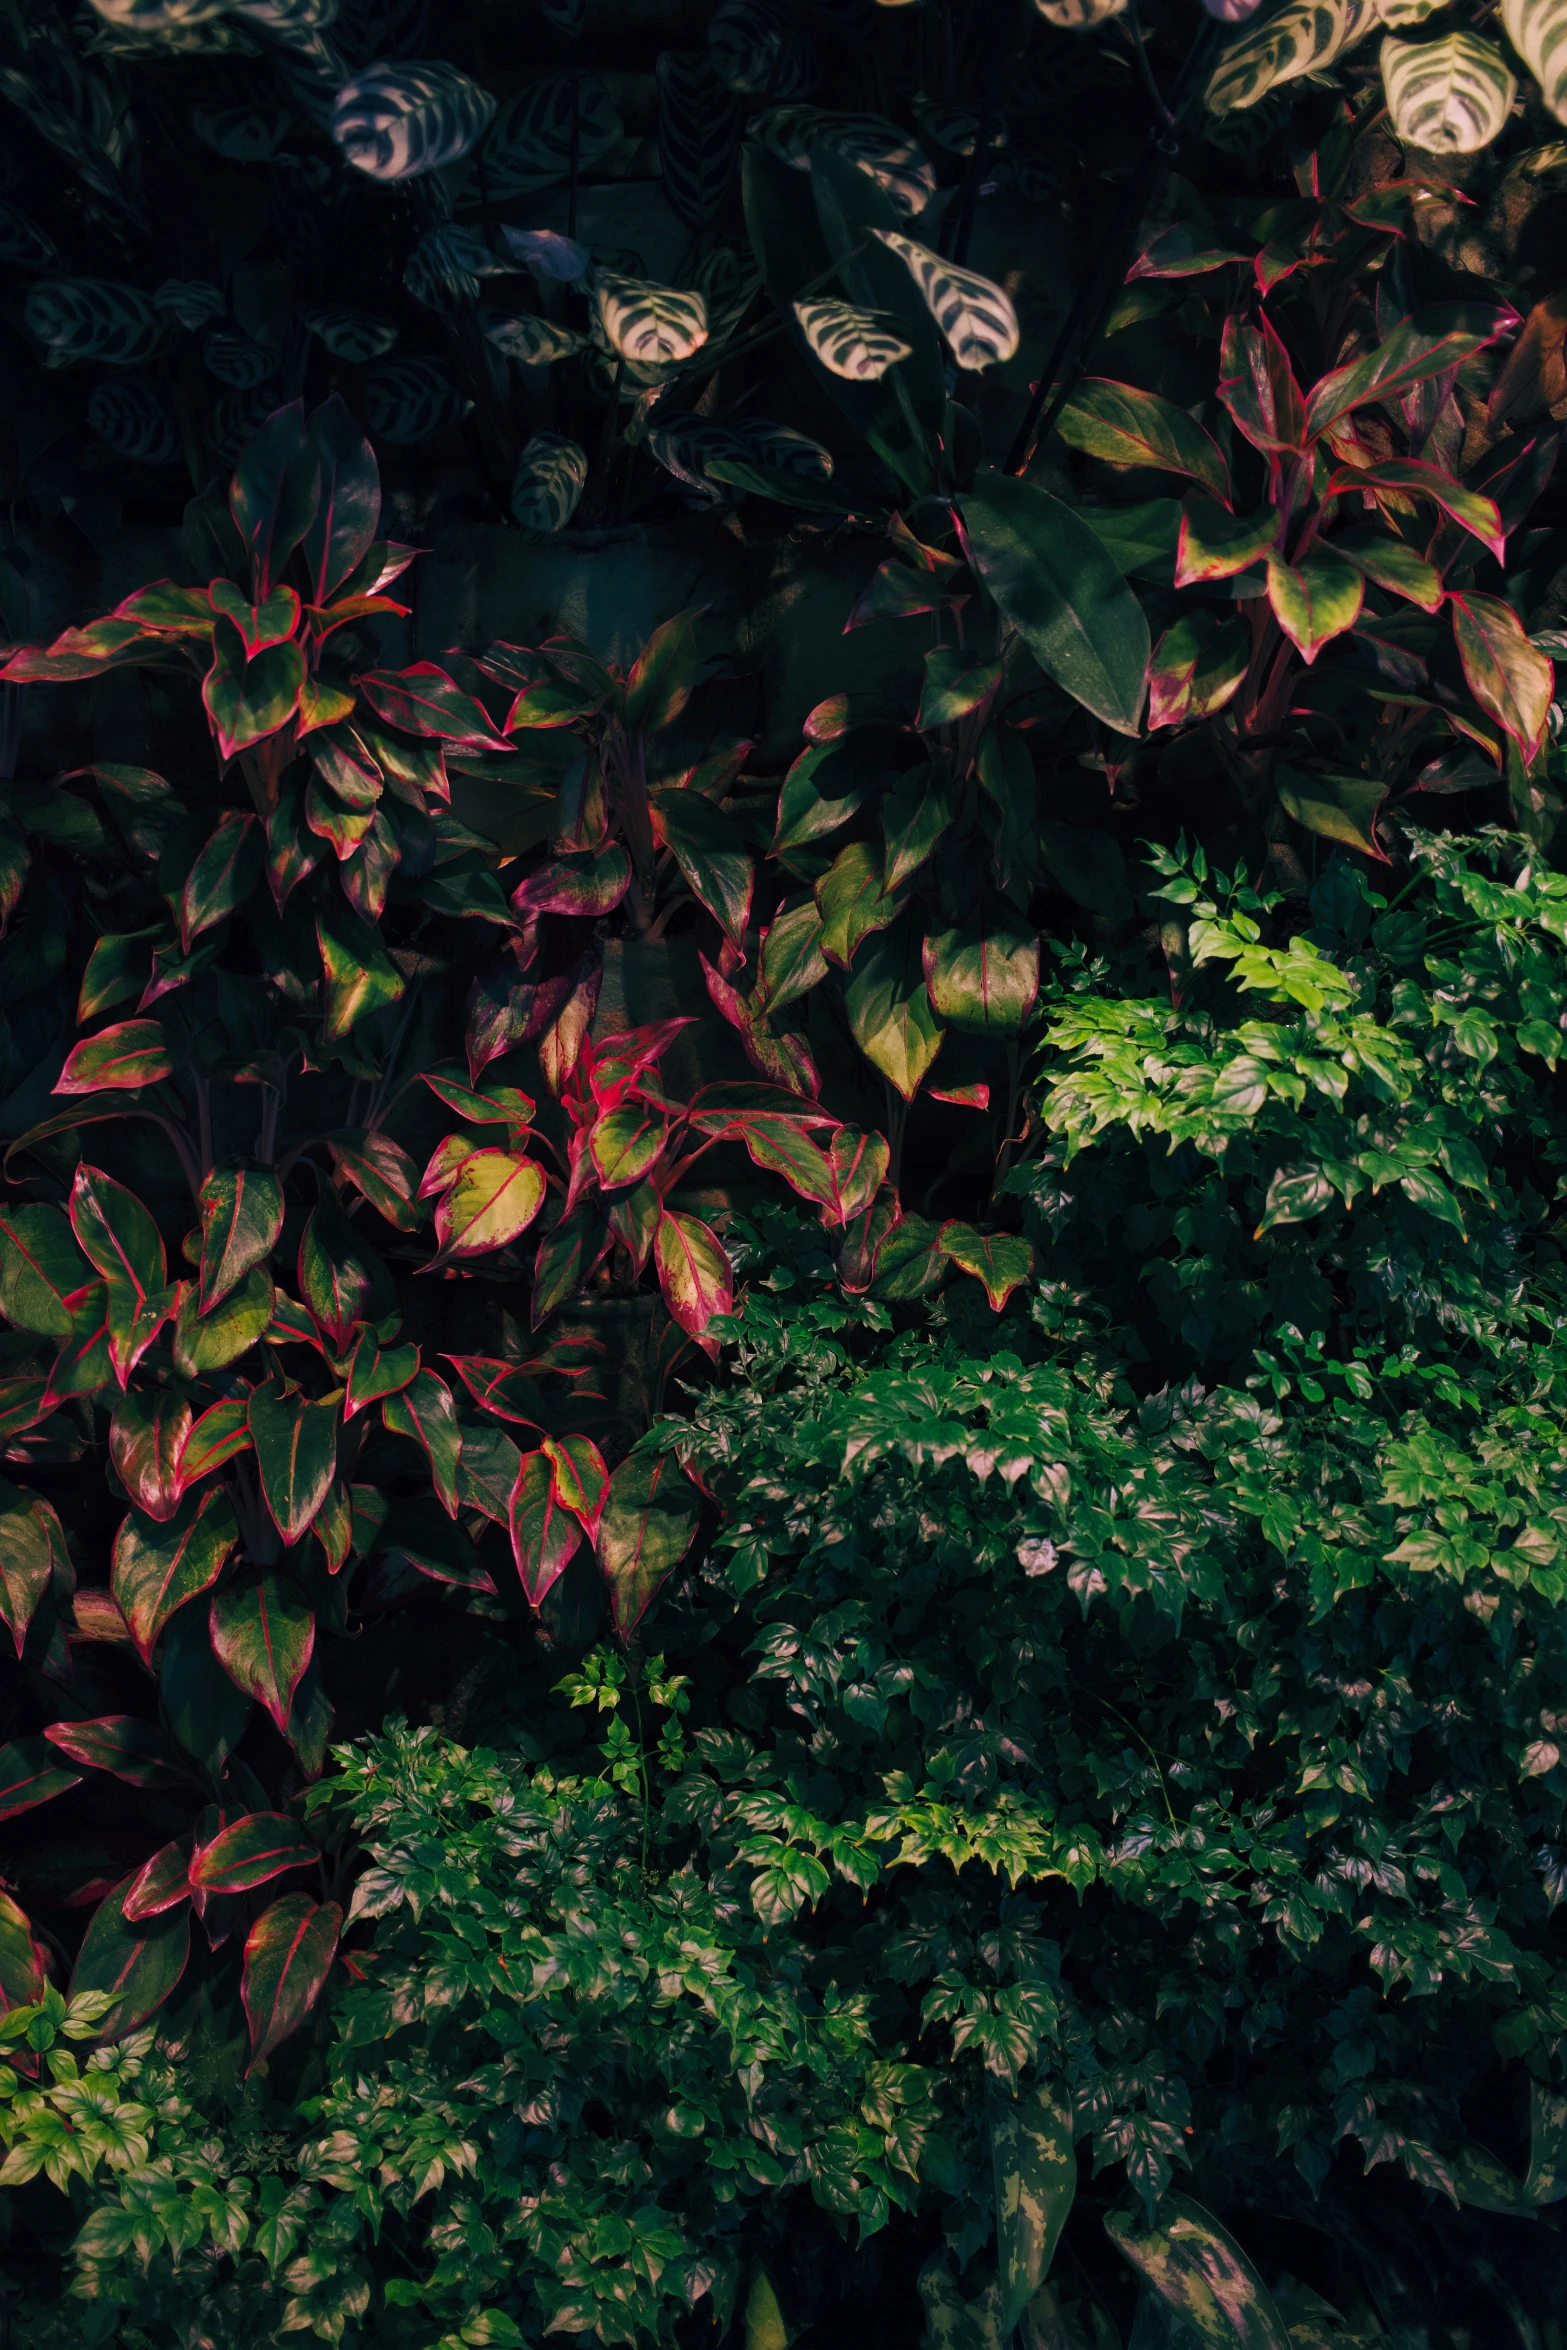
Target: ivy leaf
{"type": "Point", "coordinates": [288, 1956]}
{"type": "Point", "coordinates": [263, 1634]}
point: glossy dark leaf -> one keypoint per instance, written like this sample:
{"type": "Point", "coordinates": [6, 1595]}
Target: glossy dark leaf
{"type": "Point", "coordinates": [119, 1059]}
{"type": "Point", "coordinates": [241, 1217]}
{"type": "Point", "coordinates": [296, 1455]}
{"type": "Point", "coordinates": [348, 507]}
{"type": "Point", "coordinates": [544, 1533]}
{"type": "Point", "coordinates": [157, 1568]}
{"type": "Point", "coordinates": [263, 1633]}
{"type": "Point", "coordinates": [275, 493]}
{"type": "Point", "coordinates": [32, 1555]}
{"type": "Point", "coordinates": [250, 1852]}
{"type": "Point", "coordinates": [423, 1411]}
{"type": "Point", "coordinates": [1058, 587]}
{"type": "Point", "coordinates": [650, 1521]}
{"type": "Point", "coordinates": [288, 1956]}
{"type": "Point", "coordinates": [139, 1963]}
{"type": "Point", "coordinates": [32, 1772]}
{"type": "Point", "coordinates": [138, 1752]}
{"type": "Point", "coordinates": [147, 1436]}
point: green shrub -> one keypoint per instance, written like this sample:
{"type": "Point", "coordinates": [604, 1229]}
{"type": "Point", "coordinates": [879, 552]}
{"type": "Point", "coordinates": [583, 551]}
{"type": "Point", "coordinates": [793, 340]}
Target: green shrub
{"type": "Point", "coordinates": [1054, 1728]}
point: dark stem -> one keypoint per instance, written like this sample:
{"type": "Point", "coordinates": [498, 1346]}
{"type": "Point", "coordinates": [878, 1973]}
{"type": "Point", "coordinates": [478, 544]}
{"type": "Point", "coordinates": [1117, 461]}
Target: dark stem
{"type": "Point", "coordinates": [990, 115]}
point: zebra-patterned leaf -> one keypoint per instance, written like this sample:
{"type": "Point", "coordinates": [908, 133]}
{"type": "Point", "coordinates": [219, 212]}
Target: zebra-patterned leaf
{"type": "Point", "coordinates": [22, 244]}
{"type": "Point", "coordinates": [394, 122]}
{"type": "Point", "coordinates": [548, 254]}
{"type": "Point", "coordinates": [698, 134]}
{"type": "Point", "coordinates": [654, 326]}
{"type": "Point", "coordinates": [1075, 16]}
{"type": "Point", "coordinates": [1304, 37]}
{"type": "Point", "coordinates": [1450, 96]}
{"type": "Point", "coordinates": [445, 267]}
{"type": "Point", "coordinates": [1537, 29]}
{"type": "Point", "coordinates": [236, 361]}
{"type": "Point", "coordinates": [856, 344]}
{"type": "Point", "coordinates": [353, 335]}
{"type": "Point", "coordinates": [877, 146]}
{"type": "Point", "coordinates": [976, 316]}
{"type": "Point", "coordinates": [756, 53]}
{"type": "Point", "coordinates": [550, 478]}
{"type": "Point", "coordinates": [408, 400]}
{"type": "Point", "coordinates": [532, 140]}
{"type": "Point", "coordinates": [728, 280]}
{"type": "Point", "coordinates": [74, 318]}
{"type": "Point", "coordinates": [780, 447]}
{"type": "Point", "coordinates": [129, 417]}
{"type": "Point", "coordinates": [529, 339]}
{"type": "Point", "coordinates": [192, 302]}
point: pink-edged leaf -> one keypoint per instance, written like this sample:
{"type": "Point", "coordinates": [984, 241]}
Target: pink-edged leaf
{"type": "Point", "coordinates": [649, 1523]}
{"type": "Point", "coordinates": [424, 1412]}
{"type": "Point", "coordinates": [160, 1884]}
{"type": "Point", "coordinates": [375, 1371]}
{"type": "Point", "coordinates": [275, 492]}
{"type": "Point", "coordinates": [1257, 384]}
{"type": "Point", "coordinates": [263, 1635]}
{"type": "Point", "coordinates": [288, 1957]}
{"type": "Point", "coordinates": [139, 1962]}
{"type": "Point", "coordinates": [250, 1852]}
{"type": "Point", "coordinates": [1506, 674]}
{"type": "Point", "coordinates": [614, 1063]}
{"type": "Point", "coordinates": [155, 1568]}
{"type": "Point", "coordinates": [544, 1533]}
{"type": "Point", "coordinates": [138, 1752]}
{"type": "Point", "coordinates": [131, 1054]}
{"type": "Point", "coordinates": [423, 700]}
{"type": "Point", "coordinates": [493, 1198]}
{"type": "Point", "coordinates": [1418, 349]}
{"type": "Point", "coordinates": [694, 1274]}
{"type": "Point", "coordinates": [445, 1164]}
{"type": "Point", "coordinates": [222, 1431]}
{"type": "Point", "coordinates": [1415, 477]}
{"type": "Point", "coordinates": [581, 1478]}
{"type": "Point", "coordinates": [32, 1554]}
{"type": "Point", "coordinates": [502, 1388]}
{"type": "Point", "coordinates": [116, 1234]}
{"type": "Point", "coordinates": [147, 1437]}
{"type": "Point", "coordinates": [588, 885]}
{"type": "Point", "coordinates": [296, 1454]}
{"type": "Point", "coordinates": [32, 1772]}
{"type": "Point", "coordinates": [270, 623]}
{"type": "Point", "coordinates": [999, 1260]}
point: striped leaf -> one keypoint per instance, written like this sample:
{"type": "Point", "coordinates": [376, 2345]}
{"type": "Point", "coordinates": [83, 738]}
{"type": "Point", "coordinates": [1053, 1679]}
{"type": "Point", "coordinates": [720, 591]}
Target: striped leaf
{"type": "Point", "coordinates": [236, 361]}
{"type": "Point", "coordinates": [1399, 15]}
{"type": "Point", "coordinates": [653, 326]}
{"type": "Point", "coordinates": [530, 340]}
{"type": "Point", "coordinates": [1450, 96]}
{"type": "Point", "coordinates": [856, 344]}
{"type": "Point", "coordinates": [755, 53]}
{"type": "Point", "coordinates": [352, 334]}
{"type": "Point", "coordinates": [548, 254]}
{"type": "Point", "coordinates": [1075, 16]}
{"type": "Point", "coordinates": [446, 265]}
{"type": "Point", "coordinates": [74, 318]}
{"type": "Point", "coordinates": [192, 302]}
{"type": "Point", "coordinates": [698, 134]}
{"type": "Point", "coordinates": [408, 400]}
{"type": "Point", "coordinates": [550, 478]}
{"type": "Point", "coordinates": [1304, 37]}
{"type": "Point", "coordinates": [728, 280]}
{"type": "Point", "coordinates": [782, 448]}
{"type": "Point", "coordinates": [1537, 29]}
{"type": "Point", "coordinates": [976, 317]}
{"type": "Point", "coordinates": [530, 144]}
{"type": "Point", "coordinates": [395, 122]}
{"type": "Point", "coordinates": [129, 417]}
{"type": "Point", "coordinates": [878, 147]}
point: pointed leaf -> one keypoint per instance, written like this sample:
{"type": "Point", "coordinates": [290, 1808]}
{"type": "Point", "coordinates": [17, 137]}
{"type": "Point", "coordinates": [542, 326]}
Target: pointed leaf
{"type": "Point", "coordinates": [1126, 426]}
{"type": "Point", "coordinates": [147, 1435]}
{"type": "Point", "coordinates": [545, 1536]}
{"type": "Point", "coordinates": [160, 1884]}
{"type": "Point", "coordinates": [889, 1008]}
{"type": "Point", "coordinates": [1316, 600]}
{"type": "Point", "coordinates": [115, 1231]}
{"type": "Point", "coordinates": [503, 1388]}
{"type": "Point", "coordinates": [263, 1634]}
{"type": "Point", "coordinates": [209, 1342]}
{"type": "Point", "coordinates": [288, 1957]}
{"type": "Point", "coordinates": [41, 1270]}
{"type": "Point", "coordinates": [694, 1273]}
{"type": "Point", "coordinates": [241, 1217]}
{"type": "Point", "coordinates": [625, 1143]}
{"type": "Point", "coordinates": [157, 1568]}
{"type": "Point", "coordinates": [710, 854]}
{"type": "Point", "coordinates": [581, 1479]}
{"type": "Point", "coordinates": [1057, 585]}
{"type": "Point", "coordinates": [274, 493]}
{"type": "Point", "coordinates": [130, 1054]}
{"type": "Point", "coordinates": [1506, 675]}
{"type": "Point", "coordinates": [360, 976]}
{"type": "Point", "coordinates": [138, 1752]}
{"type": "Point", "coordinates": [650, 1522]}
{"type": "Point", "coordinates": [424, 700]}
{"type": "Point", "coordinates": [296, 1457]}
{"type": "Point", "coordinates": [1414, 477]}
{"type": "Point", "coordinates": [1419, 349]}
{"type": "Point", "coordinates": [348, 508]}
{"type": "Point", "coordinates": [1202, 2276]}
{"type": "Point", "coordinates": [222, 1431]}
{"type": "Point", "coordinates": [1036, 2180]}
{"type": "Point", "coordinates": [984, 979]}
{"type": "Point", "coordinates": [375, 1371]}
{"type": "Point", "coordinates": [1217, 545]}
{"type": "Point", "coordinates": [494, 1198]}
{"type": "Point", "coordinates": [251, 1851]}
{"type": "Point", "coordinates": [138, 1963]}
{"type": "Point", "coordinates": [998, 1259]}
{"type": "Point", "coordinates": [32, 1552]}
{"type": "Point", "coordinates": [424, 1412]}
{"type": "Point", "coordinates": [32, 1772]}
{"type": "Point", "coordinates": [975, 315]}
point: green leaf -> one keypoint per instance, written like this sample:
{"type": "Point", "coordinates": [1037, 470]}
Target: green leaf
{"type": "Point", "coordinates": [663, 675]}
{"type": "Point", "coordinates": [1338, 807]}
{"type": "Point", "coordinates": [649, 1523]}
{"type": "Point", "coordinates": [249, 700]}
{"type": "Point", "coordinates": [348, 508]}
{"type": "Point", "coordinates": [1215, 544]}
{"type": "Point", "coordinates": [156, 1568]}
{"type": "Point", "coordinates": [1393, 565]}
{"type": "Point", "coordinates": [210, 1341]}
{"type": "Point", "coordinates": [375, 1371]}
{"type": "Point", "coordinates": [360, 976]}
{"type": "Point", "coordinates": [139, 1965]}
{"type": "Point", "coordinates": [507, 1389]}
{"type": "Point", "coordinates": [1418, 350]}
{"type": "Point", "coordinates": [1059, 588]}
{"type": "Point", "coordinates": [1126, 426]}
{"type": "Point", "coordinates": [494, 1199]}
{"type": "Point", "coordinates": [201, 1705]}
{"type": "Point", "coordinates": [1507, 675]}
{"type": "Point", "coordinates": [956, 683]}
{"type": "Point", "coordinates": [40, 1268]}
{"type": "Point", "coordinates": [1316, 600]}
{"type": "Point", "coordinates": [984, 979]}
{"type": "Point", "coordinates": [694, 1273]}
{"type": "Point", "coordinates": [250, 1852]}
{"type": "Point", "coordinates": [130, 1054]}
{"type": "Point", "coordinates": [228, 865]}
{"type": "Point", "coordinates": [1036, 2180]}
{"type": "Point", "coordinates": [275, 493]}
{"type": "Point", "coordinates": [424, 1412]}
{"type": "Point", "coordinates": [147, 1435]}
{"type": "Point", "coordinates": [998, 1259]}
{"type": "Point", "coordinates": [545, 1534]}
{"type": "Point", "coordinates": [1202, 2276]}
{"type": "Point", "coordinates": [296, 1457]}
{"type": "Point", "coordinates": [263, 1633]}
{"type": "Point", "coordinates": [889, 1008]}
{"type": "Point", "coordinates": [852, 902]}
{"type": "Point", "coordinates": [424, 700]}
{"type": "Point", "coordinates": [222, 1431]}
{"type": "Point", "coordinates": [340, 1275]}
{"type": "Point", "coordinates": [581, 1479]}
{"type": "Point", "coordinates": [138, 1752]}
{"type": "Point", "coordinates": [241, 1217]}
{"type": "Point", "coordinates": [32, 1552]}
{"type": "Point", "coordinates": [288, 1957]}
{"type": "Point", "coordinates": [1406, 477]}
{"type": "Point", "coordinates": [625, 1143]}
{"type": "Point", "coordinates": [32, 1772]}
{"type": "Point", "coordinates": [709, 852]}
{"type": "Point", "coordinates": [1197, 667]}
{"type": "Point", "coordinates": [915, 815]}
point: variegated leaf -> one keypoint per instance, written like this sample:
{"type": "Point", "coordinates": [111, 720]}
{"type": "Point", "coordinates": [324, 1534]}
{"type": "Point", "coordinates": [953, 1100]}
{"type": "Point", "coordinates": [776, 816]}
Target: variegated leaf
{"type": "Point", "coordinates": [1398, 15]}
{"type": "Point", "coordinates": [530, 143]}
{"type": "Point", "coordinates": [548, 254]}
{"type": "Point", "coordinates": [1304, 37]}
{"type": "Point", "coordinates": [410, 399]}
{"type": "Point", "coordinates": [728, 280]}
{"type": "Point", "coordinates": [353, 335]}
{"type": "Point", "coordinates": [1451, 96]}
{"type": "Point", "coordinates": [853, 343]}
{"type": "Point", "coordinates": [192, 302]}
{"type": "Point", "coordinates": [445, 267]}
{"type": "Point", "coordinates": [1537, 29]}
{"type": "Point", "coordinates": [698, 134]}
{"type": "Point", "coordinates": [975, 315]}
{"type": "Point", "coordinates": [236, 361]}
{"type": "Point", "coordinates": [395, 122]}
{"type": "Point", "coordinates": [551, 476]}
{"type": "Point", "coordinates": [756, 52]}
{"type": "Point", "coordinates": [73, 318]}
{"type": "Point", "coordinates": [878, 147]}
{"type": "Point", "coordinates": [157, 16]}
{"type": "Point", "coordinates": [653, 326]}
{"type": "Point", "coordinates": [530, 340]}
{"type": "Point", "coordinates": [129, 417]}
{"type": "Point", "coordinates": [1075, 16]}
{"type": "Point", "coordinates": [762, 442]}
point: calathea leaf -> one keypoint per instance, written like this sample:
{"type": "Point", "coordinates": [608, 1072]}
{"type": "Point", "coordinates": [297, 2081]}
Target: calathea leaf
{"type": "Point", "coordinates": [424, 1412]}
{"type": "Point", "coordinates": [32, 1554]}
{"type": "Point", "coordinates": [410, 400]}
{"type": "Point", "coordinates": [536, 134]}
{"type": "Point", "coordinates": [1202, 2276]}
{"type": "Point", "coordinates": [354, 335]}
{"type": "Point", "coordinates": [698, 134]}
{"type": "Point", "coordinates": [398, 121]}
{"type": "Point", "coordinates": [975, 315]}
{"type": "Point", "coordinates": [651, 325]}
{"type": "Point", "coordinates": [551, 475]}
{"type": "Point", "coordinates": [288, 1956]}
{"type": "Point", "coordinates": [139, 1964]}
{"type": "Point", "coordinates": [263, 1633]}
{"type": "Point", "coordinates": [1451, 96]}
{"type": "Point", "coordinates": [1302, 37]}
{"type": "Point", "coordinates": [545, 1535]}
{"type": "Point", "coordinates": [157, 1568]}
{"type": "Point", "coordinates": [1536, 30]}
{"type": "Point", "coordinates": [146, 1439]}
{"type": "Point", "coordinates": [75, 318]}
{"type": "Point", "coordinates": [131, 419]}
{"type": "Point", "coordinates": [859, 345]}
{"type": "Point", "coordinates": [649, 1523]}
{"type": "Point", "coordinates": [529, 339]}
{"type": "Point", "coordinates": [295, 1442]}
